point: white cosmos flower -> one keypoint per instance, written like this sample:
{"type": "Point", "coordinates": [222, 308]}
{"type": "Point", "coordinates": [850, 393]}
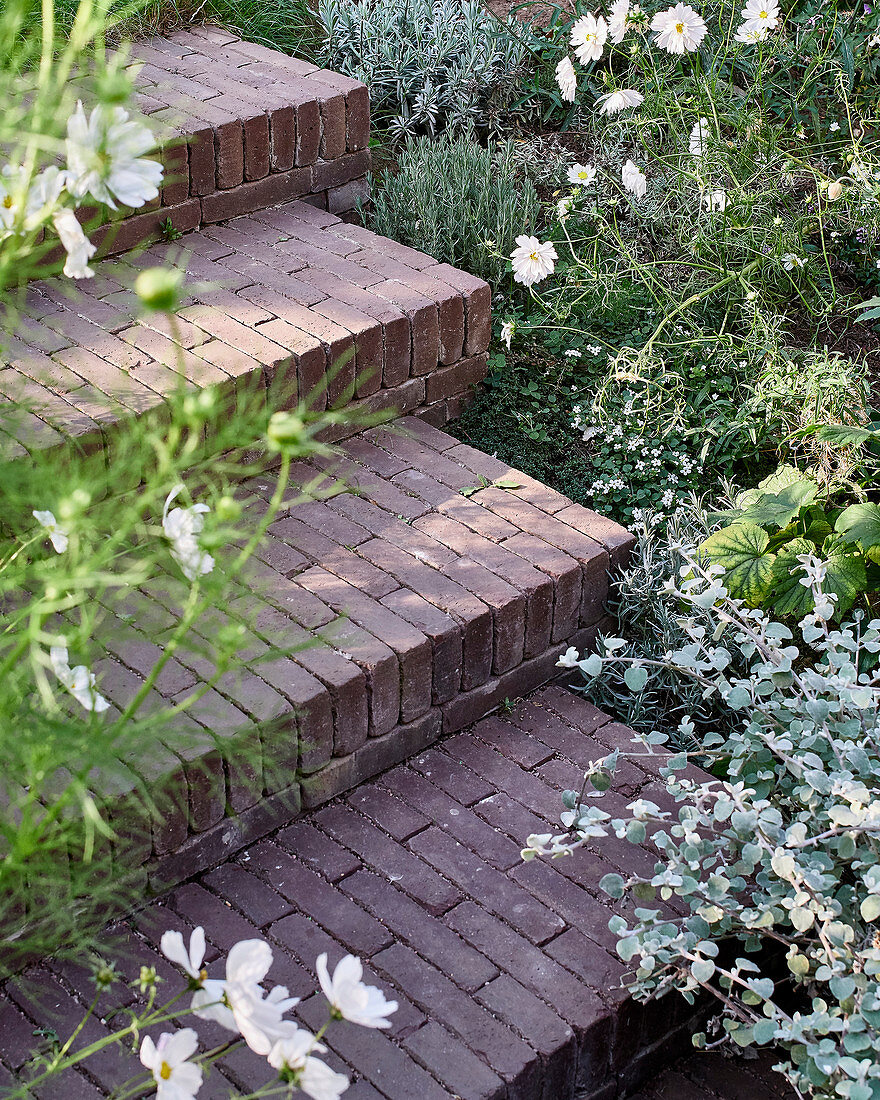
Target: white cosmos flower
{"type": "Point", "coordinates": [239, 1002]}
{"type": "Point", "coordinates": [507, 331]}
{"type": "Point", "coordinates": [182, 527]}
{"type": "Point", "coordinates": [581, 174]}
{"type": "Point", "coordinates": [566, 79]}
{"type": "Point", "coordinates": [349, 997]}
{"type": "Point", "coordinates": [105, 157]}
{"type": "Point", "coordinates": [678, 29]}
{"type": "Point", "coordinates": [715, 200]}
{"type": "Point", "coordinates": [26, 203]}
{"type": "Point", "coordinates": [699, 139]}
{"type": "Point", "coordinates": [176, 1077]}
{"type": "Point", "coordinates": [76, 244]}
{"type": "Point", "coordinates": [588, 37]}
{"type": "Point", "coordinates": [791, 261]}
{"type": "Point", "coordinates": [634, 179]}
{"type": "Point", "coordinates": [310, 1075]}
{"type": "Point", "coordinates": [612, 103]}
{"type": "Point", "coordinates": [569, 659]}
{"type": "Point", "coordinates": [188, 959]}
{"type": "Point", "coordinates": [532, 260]}
{"type": "Point", "coordinates": [617, 19]}
{"type": "Point", "coordinates": [758, 14]}
{"type": "Point", "coordinates": [749, 35]}
{"type": "Point", "coordinates": [58, 535]}
{"type": "Point", "coordinates": [78, 681]}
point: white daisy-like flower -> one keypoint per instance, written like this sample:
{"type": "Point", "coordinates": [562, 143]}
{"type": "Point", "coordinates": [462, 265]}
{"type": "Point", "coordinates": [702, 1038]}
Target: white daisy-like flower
{"type": "Point", "coordinates": [588, 37]}
{"type": "Point", "coordinates": [612, 103]}
{"type": "Point", "coordinates": [105, 157]}
{"type": "Point", "coordinates": [678, 29]}
{"type": "Point", "coordinates": [634, 179]}
{"type": "Point", "coordinates": [617, 20]}
{"type": "Point", "coordinates": [715, 201]}
{"type": "Point", "coordinates": [182, 527]}
{"type": "Point", "coordinates": [792, 262]}
{"type": "Point", "coordinates": [293, 1057]}
{"type": "Point", "coordinates": [761, 13]}
{"type": "Point", "coordinates": [699, 139]}
{"type": "Point", "coordinates": [532, 260]}
{"type": "Point", "coordinates": [168, 1060]}
{"type": "Point", "coordinates": [581, 174]}
{"type": "Point", "coordinates": [564, 207]}
{"type": "Point", "coordinates": [349, 997]}
{"type": "Point", "coordinates": [748, 35]}
{"type": "Point", "coordinates": [566, 79]}
{"type": "Point", "coordinates": [76, 244]}
{"type": "Point", "coordinates": [58, 535]}
{"type": "Point", "coordinates": [78, 681]}
{"type": "Point", "coordinates": [26, 203]}
{"type": "Point", "coordinates": [507, 331]}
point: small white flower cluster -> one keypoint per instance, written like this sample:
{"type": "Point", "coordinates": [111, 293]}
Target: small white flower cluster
{"type": "Point", "coordinates": [239, 1004]}
{"type": "Point", "coordinates": [105, 160]}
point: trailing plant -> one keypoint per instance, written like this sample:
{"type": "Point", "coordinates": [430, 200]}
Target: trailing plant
{"type": "Point", "coordinates": [430, 65]}
{"type": "Point", "coordinates": [777, 861]}
{"type": "Point", "coordinates": [457, 201]}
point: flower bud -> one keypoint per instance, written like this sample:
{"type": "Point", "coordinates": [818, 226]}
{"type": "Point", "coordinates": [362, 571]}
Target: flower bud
{"type": "Point", "coordinates": [227, 509]}
{"type": "Point", "coordinates": [159, 288]}
{"type": "Point", "coordinates": [286, 429]}
{"type": "Point", "coordinates": [835, 190]}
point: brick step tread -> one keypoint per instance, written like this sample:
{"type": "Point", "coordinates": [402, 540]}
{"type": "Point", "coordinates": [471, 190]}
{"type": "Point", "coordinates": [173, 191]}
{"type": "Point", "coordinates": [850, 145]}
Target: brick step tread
{"type": "Point", "coordinates": [716, 1076]}
{"type": "Point", "coordinates": [505, 972]}
{"type": "Point", "coordinates": [384, 608]}
{"type": "Point", "coordinates": [291, 297]}
{"type": "Point", "coordinates": [239, 126]}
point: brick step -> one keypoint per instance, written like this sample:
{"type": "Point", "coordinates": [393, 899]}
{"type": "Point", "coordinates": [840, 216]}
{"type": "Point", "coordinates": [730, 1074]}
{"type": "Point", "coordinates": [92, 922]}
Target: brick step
{"type": "Point", "coordinates": [421, 610]}
{"type": "Point", "coordinates": [240, 127]}
{"type": "Point", "coordinates": [290, 297]}
{"type": "Point", "coordinates": [505, 972]}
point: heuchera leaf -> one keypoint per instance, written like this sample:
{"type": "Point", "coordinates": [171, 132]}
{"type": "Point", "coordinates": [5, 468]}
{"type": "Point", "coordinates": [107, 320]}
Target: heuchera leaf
{"type": "Point", "coordinates": [860, 523]}
{"type": "Point", "coordinates": [740, 549]}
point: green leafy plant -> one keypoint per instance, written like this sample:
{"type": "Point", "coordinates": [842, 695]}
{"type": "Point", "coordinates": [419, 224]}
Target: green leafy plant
{"type": "Point", "coordinates": [787, 517]}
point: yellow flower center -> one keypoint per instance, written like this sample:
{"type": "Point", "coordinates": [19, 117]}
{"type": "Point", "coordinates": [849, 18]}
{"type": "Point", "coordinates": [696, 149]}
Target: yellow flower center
{"type": "Point", "coordinates": [165, 1071]}
{"type": "Point", "coordinates": [7, 201]}
{"type": "Point", "coordinates": [679, 28]}
{"type": "Point", "coordinates": [583, 175]}
{"type": "Point", "coordinates": [534, 257]}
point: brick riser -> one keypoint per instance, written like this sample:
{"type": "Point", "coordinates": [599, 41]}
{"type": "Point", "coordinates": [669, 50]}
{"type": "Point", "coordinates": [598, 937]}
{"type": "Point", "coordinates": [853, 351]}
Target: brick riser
{"type": "Point", "coordinates": [241, 128]}
{"type": "Point", "coordinates": [505, 972]}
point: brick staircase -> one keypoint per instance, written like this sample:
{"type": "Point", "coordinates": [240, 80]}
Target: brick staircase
{"type": "Point", "coordinates": [386, 610]}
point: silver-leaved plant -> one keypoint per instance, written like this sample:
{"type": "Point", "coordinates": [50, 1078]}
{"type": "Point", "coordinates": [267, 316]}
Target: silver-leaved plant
{"type": "Point", "coordinates": [778, 863]}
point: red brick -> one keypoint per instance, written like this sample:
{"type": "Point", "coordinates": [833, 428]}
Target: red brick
{"type": "Point", "coordinates": [566, 574]}
{"type": "Point", "coordinates": [496, 1044]}
{"type": "Point", "coordinates": [314, 847]}
{"type": "Point", "coordinates": [473, 616]}
{"type": "Point", "coordinates": [398, 819]}
{"type": "Point", "coordinates": [243, 198]}
{"type": "Point", "coordinates": [445, 637]}
{"type": "Point", "coordinates": [449, 1059]}
{"type": "Point", "coordinates": [411, 646]}
{"type": "Point", "coordinates": [317, 899]}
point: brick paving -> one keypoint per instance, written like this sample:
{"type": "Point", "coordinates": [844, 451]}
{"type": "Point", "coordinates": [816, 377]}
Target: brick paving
{"type": "Point", "coordinates": [384, 609]}
{"type": "Point", "coordinates": [291, 299]}
{"type": "Point", "coordinates": [504, 971]}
